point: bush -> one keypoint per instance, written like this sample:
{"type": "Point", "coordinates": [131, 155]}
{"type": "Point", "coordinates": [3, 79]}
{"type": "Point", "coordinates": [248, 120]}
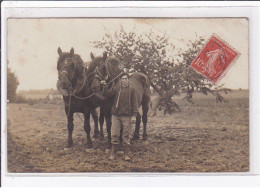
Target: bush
{"type": "Point", "coordinates": [12, 83]}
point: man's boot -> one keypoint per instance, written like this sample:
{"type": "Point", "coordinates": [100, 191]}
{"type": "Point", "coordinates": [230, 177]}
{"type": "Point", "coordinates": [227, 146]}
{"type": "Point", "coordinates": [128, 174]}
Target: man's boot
{"type": "Point", "coordinates": [126, 149]}
{"type": "Point", "coordinates": [113, 152]}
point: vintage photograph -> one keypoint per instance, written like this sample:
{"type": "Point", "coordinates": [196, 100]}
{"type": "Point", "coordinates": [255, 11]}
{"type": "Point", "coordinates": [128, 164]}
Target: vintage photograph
{"type": "Point", "coordinates": [142, 95]}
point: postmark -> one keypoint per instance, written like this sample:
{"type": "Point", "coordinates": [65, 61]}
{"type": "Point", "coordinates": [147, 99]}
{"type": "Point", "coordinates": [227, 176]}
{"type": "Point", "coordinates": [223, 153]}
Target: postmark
{"type": "Point", "coordinates": [214, 59]}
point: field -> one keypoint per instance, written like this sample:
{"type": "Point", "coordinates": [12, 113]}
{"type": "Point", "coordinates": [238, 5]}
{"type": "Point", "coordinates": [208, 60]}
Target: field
{"type": "Point", "coordinates": [203, 137]}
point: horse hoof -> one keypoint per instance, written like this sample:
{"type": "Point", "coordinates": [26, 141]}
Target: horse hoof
{"type": "Point", "coordinates": [101, 137]}
{"type": "Point", "coordinates": [144, 137]}
{"type": "Point", "coordinates": [96, 133]}
{"type": "Point", "coordinates": [109, 145]}
{"type": "Point", "coordinates": [68, 145]}
{"type": "Point", "coordinates": [135, 137]}
{"type": "Point", "coordinates": [89, 145]}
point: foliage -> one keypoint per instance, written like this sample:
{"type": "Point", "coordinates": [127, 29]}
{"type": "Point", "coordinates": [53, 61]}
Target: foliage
{"type": "Point", "coordinates": [12, 83]}
{"type": "Point", "coordinates": [151, 54]}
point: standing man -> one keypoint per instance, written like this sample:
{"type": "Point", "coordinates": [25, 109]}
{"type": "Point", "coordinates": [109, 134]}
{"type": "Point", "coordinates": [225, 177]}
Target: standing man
{"type": "Point", "coordinates": [124, 107]}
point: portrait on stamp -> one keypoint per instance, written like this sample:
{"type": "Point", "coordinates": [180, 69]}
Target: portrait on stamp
{"type": "Point", "coordinates": [127, 95]}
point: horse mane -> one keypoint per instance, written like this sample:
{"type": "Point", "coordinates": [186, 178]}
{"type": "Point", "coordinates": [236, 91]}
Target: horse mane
{"type": "Point", "coordinates": [80, 71]}
{"type": "Point", "coordinates": [114, 62]}
{"type": "Point", "coordinates": [78, 62]}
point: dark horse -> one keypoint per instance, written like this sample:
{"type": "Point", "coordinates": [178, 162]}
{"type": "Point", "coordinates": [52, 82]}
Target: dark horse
{"type": "Point", "coordinates": [80, 87]}
{"type": "Point", "coordinates": [140, 83]}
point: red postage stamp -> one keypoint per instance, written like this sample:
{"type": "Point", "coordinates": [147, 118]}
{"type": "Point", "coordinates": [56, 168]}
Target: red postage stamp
{"type": "Point", "coordinates": [214, 59]}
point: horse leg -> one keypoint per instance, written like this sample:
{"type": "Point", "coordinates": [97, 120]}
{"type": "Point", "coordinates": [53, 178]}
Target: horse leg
{"type": "Point", "coordinates": [87, 129]}
{"type": "Point", "coordinates": [101, 123]}
{"type": "Point", "coordinates": [95, 118]}
{"type": "Point", "coordinates": [108, 124]}
{"type": "Point", "coordinates": [137, 127]}
{"type": "Point", "coordinates": [70, 130]}
{"type": "Point", "coordinates": [145, 108]}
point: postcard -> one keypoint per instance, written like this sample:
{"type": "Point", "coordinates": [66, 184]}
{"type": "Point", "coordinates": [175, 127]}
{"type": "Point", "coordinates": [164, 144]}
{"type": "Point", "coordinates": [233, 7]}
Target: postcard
{"type": "Point", "coordinates": [126, 95]}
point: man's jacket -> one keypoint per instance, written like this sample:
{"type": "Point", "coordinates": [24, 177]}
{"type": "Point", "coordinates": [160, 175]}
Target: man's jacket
{"type": "Point", "coordinates": [124, 100]}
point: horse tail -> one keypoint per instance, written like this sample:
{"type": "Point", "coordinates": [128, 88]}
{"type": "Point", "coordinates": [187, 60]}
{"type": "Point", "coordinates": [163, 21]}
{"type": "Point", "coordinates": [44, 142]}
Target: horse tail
{"type": "Point", "coordinates": [146, 85]}
{"type": "Point", "coordinates": [145, 81]}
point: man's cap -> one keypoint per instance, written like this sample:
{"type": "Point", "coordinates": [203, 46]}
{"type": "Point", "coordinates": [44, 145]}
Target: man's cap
{"type": "Point", "coordinates": [124, 73]}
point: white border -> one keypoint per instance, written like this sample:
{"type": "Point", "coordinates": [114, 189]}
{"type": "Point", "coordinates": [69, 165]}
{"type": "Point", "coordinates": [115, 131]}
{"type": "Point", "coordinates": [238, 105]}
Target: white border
{"type": "Point", "coordinates": [141, 9]}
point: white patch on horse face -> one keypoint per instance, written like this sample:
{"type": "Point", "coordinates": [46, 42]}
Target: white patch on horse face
{"type": "Point", "coordinates": [121, 66]}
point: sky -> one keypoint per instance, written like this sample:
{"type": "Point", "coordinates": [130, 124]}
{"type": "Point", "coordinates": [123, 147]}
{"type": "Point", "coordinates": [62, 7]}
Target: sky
{"type": "Point", "coordinates": [32, 43]}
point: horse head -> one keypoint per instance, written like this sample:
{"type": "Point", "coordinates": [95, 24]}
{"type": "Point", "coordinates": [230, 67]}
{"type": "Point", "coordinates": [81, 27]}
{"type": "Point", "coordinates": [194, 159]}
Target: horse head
{"type": "Point", "coordinates": [114, 67]}
{"type": "Point", "coordinates": [72, 73]}
{"type": "Point", "coordinates": [94, 82]}
{"type": "Point", "coordinates": [66, 67]}
{"type": "Point", "coordinates": [98, 66]}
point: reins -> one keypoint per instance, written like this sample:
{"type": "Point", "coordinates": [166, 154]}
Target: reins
{"type": "Point", "coordinates": [114, 78]}
{"type": "Point", "coordinates": [84, 80]}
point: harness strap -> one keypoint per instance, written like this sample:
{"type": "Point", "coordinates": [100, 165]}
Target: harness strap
{"type": "Point", "coordinates": [63, 68]}
{"type": "Point", "coordinates": [84, 97]}
{"type": "Point", "coordinates": [67, 59]}
{"type": "Point", "coordinates": [118, 96]}
{"type": "Point", "coordinates": [130, 111]}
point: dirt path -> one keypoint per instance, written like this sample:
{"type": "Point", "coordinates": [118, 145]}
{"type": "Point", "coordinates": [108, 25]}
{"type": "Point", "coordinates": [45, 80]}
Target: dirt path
{"type": "Point", "coordinates": [208, 137]}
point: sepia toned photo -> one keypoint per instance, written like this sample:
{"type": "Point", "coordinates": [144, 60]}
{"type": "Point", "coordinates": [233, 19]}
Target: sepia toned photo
{"type": "Point", "coordinates": [139, 95]}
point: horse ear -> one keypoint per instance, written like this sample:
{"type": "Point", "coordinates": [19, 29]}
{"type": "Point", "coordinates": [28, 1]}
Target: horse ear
{"type": "Point", "coordinates": [92, 56]}
{"type": "Point", "coordinates": [121, 66]}
{"type": "Point", "coordinates": [104, 56]}
{"type": "Point", "coordinates": [72, 51]}
{"type": "Point", "coordinates": [59, 51]}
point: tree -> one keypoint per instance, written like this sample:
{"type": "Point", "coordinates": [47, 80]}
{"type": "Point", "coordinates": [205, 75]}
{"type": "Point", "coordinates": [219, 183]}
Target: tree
{"type": "Point", "coordinates": [151, 54]}
{"type": "Point", "coordinates": [12, 83]}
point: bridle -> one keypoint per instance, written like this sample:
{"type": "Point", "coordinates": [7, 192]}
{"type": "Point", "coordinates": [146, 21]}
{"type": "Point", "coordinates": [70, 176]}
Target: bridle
{"type": "Point", "coordinates": [109, 75]}
{"type": "Point", "coordinates": [101, 77]}
{"type": "Point", "coordinates": [64, 70]}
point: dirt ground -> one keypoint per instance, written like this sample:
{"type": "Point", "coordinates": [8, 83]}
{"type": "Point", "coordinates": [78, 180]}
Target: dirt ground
{"type": "Point", "coordinates": [203, 137]}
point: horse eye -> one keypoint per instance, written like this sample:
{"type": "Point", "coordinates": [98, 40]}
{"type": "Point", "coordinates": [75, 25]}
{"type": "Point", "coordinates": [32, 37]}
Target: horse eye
{"type": "Point", "coordinates": [70, 67]}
